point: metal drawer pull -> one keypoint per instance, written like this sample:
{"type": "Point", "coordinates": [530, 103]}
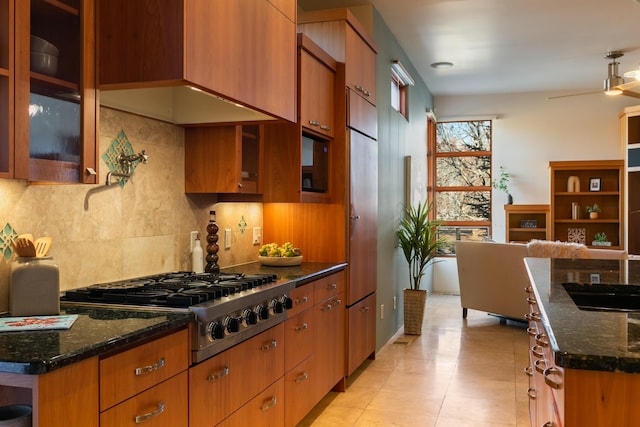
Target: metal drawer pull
{"type": "Point", "coordinates": [314, 123]}
{"type": "Point", "coordinates": [539, 368]}
{"type": "Point", "coordinates": [268, 405]}
{"type": "Point", "coordinates": [528, 290]}
{"type": "Point", "coordinates": [302, 377]}
{"type": "Point", "coordinates": [531, 300]}
{"type": "Point", "coordinates": [302, 327]}
{"type": "Point", "coordinates": [537, 351]}
{"type": "Point", "coordinates": [267, 347]}
{"type": "Point", "coordinates": [325, 127]}
{"type": "Point", "coordinates": [541, 340]}
{"type": "Point", "coordinates": [327, 307]}
{"type": "Point", "coordinates": [531, 392]}
{"type": "Point", "coordinates": [337, 302]}
{"type": "Point", "coordinates": [549, 424]}
{"type": "Point", "coordinates": [364, 309]}
{"type": "Point", "coordinates": [532, 331]}
{"type": "Point", "coordinates": [146, 417]}
{"type": "Point", "coordinates": [332, 286]}
{"type": "Point", "coordinates": [218, 375]}
{"type": "Point", "coordinates": [528, 371]}
{"type": "Point", "coordinates": [548, 381]}
{"type": "Point", "coordinates": [302, 300]}
{"type": "Point", "coordinates": [533, 316]}
{"type": "Point", "coordinates": [148, 369]}
{"type": "Point", "coordinates": [366, 93]}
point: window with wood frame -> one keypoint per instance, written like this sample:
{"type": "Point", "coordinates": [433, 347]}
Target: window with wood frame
{"type": "Point", "coordinates": [398, 94]}
{"type": "Point", "coordinates": [459, 157]}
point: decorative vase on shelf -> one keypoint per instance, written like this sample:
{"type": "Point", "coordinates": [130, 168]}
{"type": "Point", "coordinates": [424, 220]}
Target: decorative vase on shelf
{"type": "Point", "coordinates": [509, 199]}
{"type": "Point", "coordinates": [593, 215]}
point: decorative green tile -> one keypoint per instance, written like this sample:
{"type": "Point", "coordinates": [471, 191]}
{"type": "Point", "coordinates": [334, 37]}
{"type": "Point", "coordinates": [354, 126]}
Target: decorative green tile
{"type": "Point", "coordinates": [242, 225]}
{"type": "Point", "coordinates": [6, 236]}
{"type": "Point", "coordinates": [120, 145]}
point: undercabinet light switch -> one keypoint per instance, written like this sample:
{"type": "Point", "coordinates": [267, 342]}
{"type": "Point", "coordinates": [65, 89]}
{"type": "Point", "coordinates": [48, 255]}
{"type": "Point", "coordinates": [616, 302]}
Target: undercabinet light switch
{"type": "Point", "coordinates": [257, 235]}
{"type": "Point", "coordinates": [227, 238]}
{"type": "Point", "coordinates": [192, 236]}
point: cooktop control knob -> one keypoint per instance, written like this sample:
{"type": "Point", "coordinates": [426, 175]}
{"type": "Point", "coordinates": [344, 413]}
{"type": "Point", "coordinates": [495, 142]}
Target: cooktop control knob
{"type": "Point", "coordinates": [232, 324]}
{"type": "Point", "coordinates": [276, 306]}
{"type": "Point", "coordinates": [215, 331]}
{"type": "Point", "coordinates": [249, 317]}
{"type": "Point", "coordinates": [286, 302]}
{"type": "Point", "coordinates": [262, 311]}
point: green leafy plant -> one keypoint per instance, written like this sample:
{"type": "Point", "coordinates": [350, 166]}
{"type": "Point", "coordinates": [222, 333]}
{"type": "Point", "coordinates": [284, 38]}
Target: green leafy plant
{"type": "Point", "coordinates": [594, 208]}
{"type": "Point", "coordinates": [600, 237]}
{"type": "Point", "coordinates": [502, 183]}
{"type": "Point", "coordinates": [418, 237]}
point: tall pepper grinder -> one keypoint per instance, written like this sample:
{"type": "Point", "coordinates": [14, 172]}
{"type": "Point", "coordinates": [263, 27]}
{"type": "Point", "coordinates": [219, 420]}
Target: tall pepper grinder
{"type": "Point", "coordinates": [212, 245]}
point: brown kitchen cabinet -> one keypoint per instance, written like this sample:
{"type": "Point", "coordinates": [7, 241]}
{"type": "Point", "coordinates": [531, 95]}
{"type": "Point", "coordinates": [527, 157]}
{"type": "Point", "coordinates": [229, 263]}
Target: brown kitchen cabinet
{"type": "Point", "coordinates": [6, 87]}
{"type": "Point", "coordinates": [609, 196]}
{"type": "Point", "coordinates": [302, 159]}
{"type": "Point", "coordinates": [242, 51]}
{"type": "Point", "coordinates": [630, 143]}
{"type": "Point", "coordinates": [224, 159]}
{"type": "Point", "coordinates": [223, 384]}
{"type": "Point", "coordinates": [361, 330]}
{"type": "Point", "coordinates": [55, 110]}
{"type": "Point", "coordinates": [526, 222]}
{"type": "Point", "coordinates": [266, 409]}
{"type": "Point", "coordinates": [342, 36]}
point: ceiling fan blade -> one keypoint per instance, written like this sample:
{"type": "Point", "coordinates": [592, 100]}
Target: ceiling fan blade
{"type": "Point", "coordinates": [631, 93]}
{"type": "Point", "coordinates": [626, 86]}
{"type": "Point", "coordinates": [574, 94]}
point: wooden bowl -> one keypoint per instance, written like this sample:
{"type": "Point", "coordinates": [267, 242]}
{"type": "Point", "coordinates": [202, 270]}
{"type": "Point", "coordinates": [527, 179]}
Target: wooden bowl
{"type": "Point", "coordinates": [275, 261]}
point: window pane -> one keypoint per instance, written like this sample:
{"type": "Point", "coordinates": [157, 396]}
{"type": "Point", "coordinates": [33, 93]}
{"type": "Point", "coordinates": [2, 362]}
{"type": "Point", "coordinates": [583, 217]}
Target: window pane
{"type": "Point", "coordinates": [463, 136]}
{"type": "Point", "coordinates": [451, 234]}
{"type": "Point", "coordinates": [463, 171]}
{"type": "Point", "coordinates": [464, 205]}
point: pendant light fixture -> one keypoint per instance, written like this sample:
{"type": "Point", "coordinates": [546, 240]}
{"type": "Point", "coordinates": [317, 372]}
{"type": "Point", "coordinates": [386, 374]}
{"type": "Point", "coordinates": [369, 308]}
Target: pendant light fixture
{"type": "Point", "coordinates": [613, 79]}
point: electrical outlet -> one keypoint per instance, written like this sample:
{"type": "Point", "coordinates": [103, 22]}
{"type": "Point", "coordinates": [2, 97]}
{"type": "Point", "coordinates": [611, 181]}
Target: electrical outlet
{"type": "Point", "coordinates": [382, 311]}
{"type": "Point", "coordinates": [257, 235]}
{"type": "Point", "coordinates": [192, 236]}
{"type": "Point", "coordinates": [395, 304]}
{"type": "Point", "coordinates": [227, 238]}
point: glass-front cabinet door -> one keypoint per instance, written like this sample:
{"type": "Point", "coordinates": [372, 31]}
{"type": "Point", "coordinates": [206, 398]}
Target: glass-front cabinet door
{"type": "Point", "coordinates": [55, 132]}
{"type": "Point", "coordinates": [6, 87]}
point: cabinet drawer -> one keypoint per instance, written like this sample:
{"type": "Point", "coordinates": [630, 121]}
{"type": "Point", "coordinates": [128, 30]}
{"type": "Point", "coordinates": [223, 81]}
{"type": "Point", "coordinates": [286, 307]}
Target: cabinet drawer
{"type": "Point", "coordinates": [220, 385]}
{"type": "Point", "coordinates": [302, 299]}
{"type": "Point", "coordinates": [135, 370]}
{"type": "Point", "coordinates": [164, 405]}
{"type": "Point", "coordinates": [328, 286]}
{"type": "Point", "coordinates": [265, 410]}
{"type": "Point", "coordinates": [361, 321]}
{"type": "Point", "coordinates": [299, 336]}
{"type": "Point", "coordinates": [300, 391]}
{"type": "Point", "coordinates": [362, 115]}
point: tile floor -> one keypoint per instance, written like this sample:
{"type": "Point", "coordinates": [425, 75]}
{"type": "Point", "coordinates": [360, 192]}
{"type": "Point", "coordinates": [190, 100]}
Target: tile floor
{"type": "Point", "coordinates": [458, 373]}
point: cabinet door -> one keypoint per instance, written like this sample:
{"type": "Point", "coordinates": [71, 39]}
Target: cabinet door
{"type": "Point", "coordinates": [224, 159]}
{"type": "Point", "coordinates": [317, 83]}
{"type": "Point", "coordinates": [363, 217]}
{"type": "Point", "coordinates": [362, 115]}
{"type": "Point", "coordinates": [361, 326]}
{"type": "Point", "coordinates": [55, 113]}
{"type": "Point", "coordinates": [222, 384]}
{"type": "Point", "coordinates": [299, 391]}
{"type": "Point", "coordinates": [360, 67]}
{"type": "Point", "coordinates": [330, 344]}
{"type": "Point", "coordinates": [266, 409]}
{"type": "Point", "coordinates": [6, 87]}
{"type": "Point", "coordinates": [299, 336]}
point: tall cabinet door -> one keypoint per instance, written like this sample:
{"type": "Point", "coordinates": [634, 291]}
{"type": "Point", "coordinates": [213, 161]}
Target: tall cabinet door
{"type": "Point", "coordinates": [6, 88]}
{"type": "Point", "coordinates": [363, 216]}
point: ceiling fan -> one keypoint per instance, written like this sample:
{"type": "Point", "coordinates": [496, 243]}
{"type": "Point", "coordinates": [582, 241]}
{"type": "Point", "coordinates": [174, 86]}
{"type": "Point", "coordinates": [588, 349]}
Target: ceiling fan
{"type": "Point", "coordinates": [613, 84]}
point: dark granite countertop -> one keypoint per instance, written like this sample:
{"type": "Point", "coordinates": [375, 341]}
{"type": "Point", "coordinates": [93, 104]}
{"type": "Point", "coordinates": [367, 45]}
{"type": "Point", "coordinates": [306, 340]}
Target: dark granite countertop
{"type": "Point", "coordinates": [581, 337]}
{"type": "Point", "coordinates": [99, 330]}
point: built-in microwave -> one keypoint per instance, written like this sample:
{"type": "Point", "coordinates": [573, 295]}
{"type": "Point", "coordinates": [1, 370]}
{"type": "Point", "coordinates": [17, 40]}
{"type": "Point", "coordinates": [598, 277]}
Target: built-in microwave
{"type": "Point", "coordinates": [315, 164]}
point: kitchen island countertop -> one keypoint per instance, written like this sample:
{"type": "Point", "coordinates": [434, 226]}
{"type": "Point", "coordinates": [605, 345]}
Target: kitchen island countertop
{"type": "Point", "coordinates": [586, 338]}
{"type": "Point", "coordinates": [100, 330]}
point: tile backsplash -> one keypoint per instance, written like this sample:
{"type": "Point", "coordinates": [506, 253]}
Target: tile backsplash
{"type": "Point", "coordinates": [107, 233]}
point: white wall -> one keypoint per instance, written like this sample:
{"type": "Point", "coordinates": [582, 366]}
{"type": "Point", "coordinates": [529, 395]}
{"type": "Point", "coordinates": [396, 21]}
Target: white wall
{"type": "Point", "coordinates": [529, 132]}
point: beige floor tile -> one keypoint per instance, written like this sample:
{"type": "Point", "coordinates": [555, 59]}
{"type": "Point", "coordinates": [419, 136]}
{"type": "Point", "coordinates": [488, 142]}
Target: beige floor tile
{"type": "Point", "coordinates": [457, 373]}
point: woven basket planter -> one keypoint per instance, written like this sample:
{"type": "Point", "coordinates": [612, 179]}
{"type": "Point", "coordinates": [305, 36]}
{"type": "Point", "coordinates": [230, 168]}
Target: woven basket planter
{"type": "Point", "coordinates": [414, 303]}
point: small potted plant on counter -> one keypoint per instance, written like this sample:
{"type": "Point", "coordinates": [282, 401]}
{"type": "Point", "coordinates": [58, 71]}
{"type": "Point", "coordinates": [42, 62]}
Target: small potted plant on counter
{"type": "Point", "coordinates": [600, 239]}
{"type": "Point", "coordinates": [593, 211]}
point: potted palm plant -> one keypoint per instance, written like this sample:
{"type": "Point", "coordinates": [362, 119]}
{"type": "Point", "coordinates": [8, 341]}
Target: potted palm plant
{"type": "Point", "coordinates": [419, 240]}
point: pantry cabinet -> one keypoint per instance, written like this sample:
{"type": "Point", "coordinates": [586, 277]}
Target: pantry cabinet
{"type": "Point", "coordinates": [317, 86]}
{"type": "Point", "coordinates": [630, 145]}
{"type": "Point", "coordinates": [224, 159]}
{"type": "Point", "coordinates": [6, 87]}
{"type": "Point", "coordinates": [242, 51]}
{"type": "Point", "coordinates": [55, 112]}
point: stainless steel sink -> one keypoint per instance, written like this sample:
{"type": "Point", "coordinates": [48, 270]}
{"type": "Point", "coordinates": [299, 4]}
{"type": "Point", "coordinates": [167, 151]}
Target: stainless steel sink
{"type": "Point", "coordinates": [604, 297]}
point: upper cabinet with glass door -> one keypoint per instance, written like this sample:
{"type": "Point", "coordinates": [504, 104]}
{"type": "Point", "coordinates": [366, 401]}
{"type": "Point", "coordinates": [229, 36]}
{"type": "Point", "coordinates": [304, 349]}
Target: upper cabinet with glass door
{"type": "Point", "coordinates": [6, 88]}
{"type": "Point", "coordinates": [55, 98]}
